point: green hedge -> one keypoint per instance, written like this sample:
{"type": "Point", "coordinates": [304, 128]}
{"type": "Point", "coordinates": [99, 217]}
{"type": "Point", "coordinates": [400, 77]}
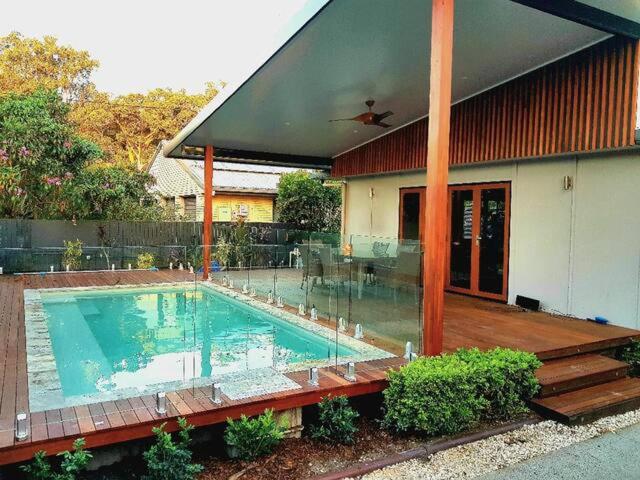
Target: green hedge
{"type": "Point", "coordinates": [450, 393]}
{"type": "Point", "coordinates": [506, 378]}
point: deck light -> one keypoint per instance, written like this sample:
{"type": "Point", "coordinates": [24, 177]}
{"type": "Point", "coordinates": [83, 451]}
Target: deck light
{"type": "Point", "coordinates": [68, 267]}
{"type": "Point", "coordinates": [190, 268]}
{"type": "Point", "coordinates": [314, 313]}
{"type": "Point", "coordinates": [170, 265]}
{"type": "Point", "coordinates": [408, 350]}
{"type": "Point", "coordinates": [313, 376]}
{"type": "Point", "coordinates": [342, 325]}
{"type": "Point", "coordinates": [270, 297]}
{"type": "Point", "coordinates": [22, 431]}
{"type": "Point", "coordinates": [161, 403]}
{"type": "Point", "coordinates": [253, 292]}
{"type": "Point", "coordinates": [225, 281]}
{"type": "Point", "coordinates": [245, 288]}
{"type": "Point", "coordinates": [113, 266]}
{"type": "Point", "coordinates": [279, 302]}
{"type": "Point", "coordinates": [301, 311]}
{"type": "Point", "coordinates": [51, 268]}
{"type": "Point", "coordinates": [350, 374]}
{"type": "Point", "coordinates": [359, 333]}
{"type": "Point", "coordinates": [216, 394]}
{"type": "Point", "coordinates": [180, 266]}
{"type": "Point", "coordinates": [1, 270]}
{"type": "Point", "coordinates": [413, 356]}
{"type": "Point", "coordinates": [129, 266]}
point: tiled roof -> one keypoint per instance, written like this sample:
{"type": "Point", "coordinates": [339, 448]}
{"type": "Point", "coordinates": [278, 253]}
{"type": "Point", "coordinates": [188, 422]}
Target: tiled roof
{"type": "Point", "coordinates": [176, 177]}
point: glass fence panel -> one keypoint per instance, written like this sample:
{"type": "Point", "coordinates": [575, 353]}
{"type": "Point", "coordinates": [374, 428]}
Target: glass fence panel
{"type": "Point", "coordinates": [386, 299]}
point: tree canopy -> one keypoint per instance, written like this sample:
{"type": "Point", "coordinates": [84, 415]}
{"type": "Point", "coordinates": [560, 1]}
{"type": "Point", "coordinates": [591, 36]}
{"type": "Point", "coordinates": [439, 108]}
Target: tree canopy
{"type": "Point", "coordinates": [126, 127]}
{"type": "Point", "coordinates": [47, 171]}
{"type": "Point", "coordinates": [68, 150]}
{"type": "Point", "coordinates": [29, 64]}
{"type": "Point", "coordinates": [129, 127]}
{"type": "Point", "coordinates": [306, 203]}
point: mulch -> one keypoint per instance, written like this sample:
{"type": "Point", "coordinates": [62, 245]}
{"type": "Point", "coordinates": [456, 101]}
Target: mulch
{"type": "Point", "coordinates": [296, 459]}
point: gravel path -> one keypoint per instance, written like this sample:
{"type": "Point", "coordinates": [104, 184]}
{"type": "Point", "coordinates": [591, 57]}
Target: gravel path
{"type": "Point", "coordinates": [485, 456]}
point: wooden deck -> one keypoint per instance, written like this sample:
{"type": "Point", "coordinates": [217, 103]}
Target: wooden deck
{"type": "Point", "coordinates": [469, 322]}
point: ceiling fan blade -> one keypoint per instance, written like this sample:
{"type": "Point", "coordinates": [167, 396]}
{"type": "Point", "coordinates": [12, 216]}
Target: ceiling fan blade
{"type": "Point", "coordinates": [384, 115]}
{"type": "Point", "coordinates": [382, 124]}
{"type": "Point", "coordinates": [359, 118]}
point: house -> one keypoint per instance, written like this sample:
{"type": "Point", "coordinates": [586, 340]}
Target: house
{"type": "Point", "coordinates": [520, 118]}
{"type": "Point", "coordinates": [240, 190]}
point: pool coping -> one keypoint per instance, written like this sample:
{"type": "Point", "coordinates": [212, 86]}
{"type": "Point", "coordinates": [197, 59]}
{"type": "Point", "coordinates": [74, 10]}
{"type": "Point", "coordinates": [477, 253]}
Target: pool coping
{"type": "Point", "coordinates": [42, 372]}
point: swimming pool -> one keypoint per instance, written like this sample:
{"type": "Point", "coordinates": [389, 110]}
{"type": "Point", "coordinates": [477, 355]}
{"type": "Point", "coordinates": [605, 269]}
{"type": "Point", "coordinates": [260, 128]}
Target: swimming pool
{"type": "Point", "coordinates": [97, 344]}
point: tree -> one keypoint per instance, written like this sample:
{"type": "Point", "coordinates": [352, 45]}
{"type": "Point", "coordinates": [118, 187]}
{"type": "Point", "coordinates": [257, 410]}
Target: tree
{"type": "Point", "coordinates": [129, 127]}
{"type": "Point", "coordinates": [49, 172]}
{"type": "Point", "coordinates": [29, 64]}
{"type": "Point", "coordinates": [39, 154]}
{"type": "Point", "coordinates": [114, 193]}
{"type": "Point", "coordinates": [307, 204]}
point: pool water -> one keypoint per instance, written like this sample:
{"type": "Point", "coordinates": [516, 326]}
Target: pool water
{"type": "Point", "coordinates": [106, 340]}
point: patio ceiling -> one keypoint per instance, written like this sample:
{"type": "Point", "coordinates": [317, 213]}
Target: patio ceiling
{"type": "Point", "coordinates": [358, 49]}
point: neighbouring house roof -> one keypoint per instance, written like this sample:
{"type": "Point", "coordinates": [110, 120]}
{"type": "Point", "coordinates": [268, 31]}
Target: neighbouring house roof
{"type": "Point", "coordinates": [181, 178]}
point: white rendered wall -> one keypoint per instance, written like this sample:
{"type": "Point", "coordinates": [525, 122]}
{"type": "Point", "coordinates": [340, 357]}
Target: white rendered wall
{"type": "Point", "coordinates": [578, 251]}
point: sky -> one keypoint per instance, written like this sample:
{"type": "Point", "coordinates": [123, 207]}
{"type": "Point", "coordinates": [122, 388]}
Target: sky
{"type": "Point", "coordinates": [144, 44]}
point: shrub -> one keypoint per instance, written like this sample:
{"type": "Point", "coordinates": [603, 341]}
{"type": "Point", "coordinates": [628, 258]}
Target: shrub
{"type": "Point", "coordinates": [170, 460]}
{"type": "Point", "coordinates": [505, 378]}
{"type": "Point", "coordinates": [449, 393]}
{"type": "Point", "coordinates": [249, 438]}
{"type": "Point", "coordinates": [72, 255]}
{"type": "Point", "coordinates": [71, 465]}
{"type": "Point", "coordinates": [432, 396]}
{"type": "Point", "coordinates": [145, 260]}
{"type": "Point", "coordinates": [336, 422]}
{"type": "Point", "coordinates": [631, 354]}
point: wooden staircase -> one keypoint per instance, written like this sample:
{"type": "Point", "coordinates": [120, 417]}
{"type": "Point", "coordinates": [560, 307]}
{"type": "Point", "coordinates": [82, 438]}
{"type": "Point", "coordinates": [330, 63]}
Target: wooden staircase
{"type": "Point", "coordinates": [582, 388]}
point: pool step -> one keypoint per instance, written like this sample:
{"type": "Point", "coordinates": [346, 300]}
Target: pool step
{"type": "Point", "coordinates": [580, 371]}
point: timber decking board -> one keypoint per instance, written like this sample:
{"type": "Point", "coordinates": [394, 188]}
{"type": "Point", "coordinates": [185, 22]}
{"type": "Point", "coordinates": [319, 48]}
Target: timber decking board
{"type": "Point", "coordinates": [468, 322]}
{"type": "Point", "coordinates": [570, 373]}
{"type": "Point", "coordinates": [592, 402]}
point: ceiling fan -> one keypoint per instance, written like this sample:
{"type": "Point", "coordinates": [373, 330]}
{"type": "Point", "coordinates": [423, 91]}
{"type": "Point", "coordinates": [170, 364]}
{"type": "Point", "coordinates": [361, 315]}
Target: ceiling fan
{"type": "Point", "coordinates": [369, 118]}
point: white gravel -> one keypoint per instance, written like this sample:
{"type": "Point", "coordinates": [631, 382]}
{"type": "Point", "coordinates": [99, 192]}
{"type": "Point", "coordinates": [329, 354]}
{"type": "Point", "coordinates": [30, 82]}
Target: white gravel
{"type": "Point", "coordinates": [500, 451]}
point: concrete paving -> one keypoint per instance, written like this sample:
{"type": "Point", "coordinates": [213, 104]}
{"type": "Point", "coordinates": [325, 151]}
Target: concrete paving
{"type": "Point", "coordinates": [613, 456]}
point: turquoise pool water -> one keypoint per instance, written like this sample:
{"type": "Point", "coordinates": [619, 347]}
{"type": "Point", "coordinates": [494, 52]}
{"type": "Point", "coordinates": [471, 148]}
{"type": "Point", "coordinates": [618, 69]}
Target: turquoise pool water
{"type": "Point", "coordinates": [106, 340]}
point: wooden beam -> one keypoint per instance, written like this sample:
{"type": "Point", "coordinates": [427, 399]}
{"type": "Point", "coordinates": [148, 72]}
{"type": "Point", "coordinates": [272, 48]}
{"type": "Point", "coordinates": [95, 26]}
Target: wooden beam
{"type": "Point", "coordinates": [435, 224]}
{"type": "Point", "coordinates": [207, 225]}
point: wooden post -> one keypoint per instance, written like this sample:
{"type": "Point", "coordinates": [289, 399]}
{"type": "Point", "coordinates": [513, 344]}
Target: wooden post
{"type": "Point", "coordinates": [436, 211]}
{"type": "Point", "coordinates": [207, 225]}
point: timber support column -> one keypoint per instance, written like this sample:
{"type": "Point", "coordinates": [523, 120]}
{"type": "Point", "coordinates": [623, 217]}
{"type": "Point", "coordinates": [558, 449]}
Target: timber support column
{"type": "Point", "coordinates": [207, 224]}
{"type": "Point", "coordinates": [436, 211]}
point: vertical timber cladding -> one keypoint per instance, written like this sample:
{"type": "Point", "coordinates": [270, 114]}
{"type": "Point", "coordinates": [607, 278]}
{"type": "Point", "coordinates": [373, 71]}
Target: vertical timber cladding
{"type": "Point", "coordinates": [584, 102]}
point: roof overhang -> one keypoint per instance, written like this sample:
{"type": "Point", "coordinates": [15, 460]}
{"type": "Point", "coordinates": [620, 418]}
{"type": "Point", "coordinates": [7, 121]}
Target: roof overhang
{"type": "Point", "coordinates": [353, 50]}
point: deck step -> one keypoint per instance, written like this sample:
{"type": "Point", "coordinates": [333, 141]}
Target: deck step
{"type": "Point", "coordinates": [572, 373]}
{"type": "Point", "coordinates": [591, 403]}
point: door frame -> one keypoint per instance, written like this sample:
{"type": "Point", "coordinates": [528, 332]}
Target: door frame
{"type": "Point", "coordinates": [422, 192]}
{"type": "Point", "coordinates": [475, 251]}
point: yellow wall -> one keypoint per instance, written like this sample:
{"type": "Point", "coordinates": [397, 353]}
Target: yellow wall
{"type": "Point", "coordinates": [225, 207]}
